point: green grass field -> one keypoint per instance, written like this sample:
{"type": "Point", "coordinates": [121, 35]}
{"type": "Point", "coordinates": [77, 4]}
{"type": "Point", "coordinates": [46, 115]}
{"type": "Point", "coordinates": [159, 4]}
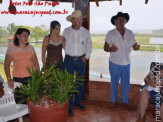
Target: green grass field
{"type": "Point", "coordinates": [149, 48]}
{"type": "Point", "coordinates": [142, 48]}
{"type": "Point", "coordinates": [142, 39]}
{"type": "Point", "coordinates": [101, 45]}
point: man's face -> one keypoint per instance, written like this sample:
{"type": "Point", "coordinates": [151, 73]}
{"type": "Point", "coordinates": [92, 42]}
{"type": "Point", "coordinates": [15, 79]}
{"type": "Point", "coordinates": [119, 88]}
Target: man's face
{"type": "Point", "coordinates": [77, 22]}
{"type": "Point", "coordinates": [120, 22]}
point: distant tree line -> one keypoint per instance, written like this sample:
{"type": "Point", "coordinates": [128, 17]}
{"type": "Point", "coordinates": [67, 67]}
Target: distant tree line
{"type": "Point", "coordinates": [158, 31]}
{"type": "Point", "coordinates": [37, 33]}
{"type": "Point", "coordinates": [3, 33]}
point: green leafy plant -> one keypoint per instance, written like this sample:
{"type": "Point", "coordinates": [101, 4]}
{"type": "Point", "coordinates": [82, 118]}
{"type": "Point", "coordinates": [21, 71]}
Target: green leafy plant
{"type": "Point", "coordinates": [50, 85]}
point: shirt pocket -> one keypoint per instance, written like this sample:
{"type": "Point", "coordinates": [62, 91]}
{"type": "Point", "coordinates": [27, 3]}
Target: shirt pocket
{"type": "Point", "coordinates": [129, 41]}
{"type": "Point", "coordinates": [83, 41]}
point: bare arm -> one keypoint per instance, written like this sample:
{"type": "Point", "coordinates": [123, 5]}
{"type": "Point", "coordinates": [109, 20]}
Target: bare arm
{"type": "Point", "coordinates": [106, 47]}
{"type": "Point", "coordinates": [8, 60]}
{"type": "Point", "coordinates": [44, 45]}
{"type": "Point", "coordinates": [63, 42]}
{"type": "Point", "coordinates": [35, 62]}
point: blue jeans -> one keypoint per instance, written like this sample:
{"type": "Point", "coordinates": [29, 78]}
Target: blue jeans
{"type": "Point", "coordinates": [118, 72]}
{"type": "Point", "coordinates": [155, 96]}
{"type": "Point", "coordinates": [77, 66]}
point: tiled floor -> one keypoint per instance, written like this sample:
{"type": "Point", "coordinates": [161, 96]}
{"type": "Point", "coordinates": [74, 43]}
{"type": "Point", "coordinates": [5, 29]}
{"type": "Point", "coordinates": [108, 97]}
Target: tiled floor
{"type": "Point", "coordinates": [100, 112]}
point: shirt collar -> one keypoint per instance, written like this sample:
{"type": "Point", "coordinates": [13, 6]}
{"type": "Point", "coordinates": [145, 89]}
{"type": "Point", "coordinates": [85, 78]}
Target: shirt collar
{"type": "Point", "coordinates": [76, 30]}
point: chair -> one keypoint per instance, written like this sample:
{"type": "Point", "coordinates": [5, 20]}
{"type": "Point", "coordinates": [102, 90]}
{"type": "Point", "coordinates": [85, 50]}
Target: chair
{"type": "Point", "coordinates": [9, 110]}
{"type": "Point", "coordinates": [153, 65]}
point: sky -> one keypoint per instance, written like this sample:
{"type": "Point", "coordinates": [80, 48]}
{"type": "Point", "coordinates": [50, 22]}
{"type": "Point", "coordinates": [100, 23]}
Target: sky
{"type": "Point", "coordinates": [142, 16]}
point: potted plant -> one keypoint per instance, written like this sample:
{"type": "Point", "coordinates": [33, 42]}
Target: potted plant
{"type": "Point", "coordinates": [47, 94]}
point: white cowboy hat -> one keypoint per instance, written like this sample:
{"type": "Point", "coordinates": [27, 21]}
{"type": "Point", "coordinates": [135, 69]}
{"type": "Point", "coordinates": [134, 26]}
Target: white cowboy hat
{"type": "Point", "coordinates": [75, 14]}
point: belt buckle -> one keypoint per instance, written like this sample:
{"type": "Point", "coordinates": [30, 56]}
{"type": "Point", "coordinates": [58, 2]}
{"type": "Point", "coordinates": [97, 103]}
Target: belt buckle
{"type": "Point", "coordinates": [55, 62]}
{"type": "Point", "coordinates": [75, 57]}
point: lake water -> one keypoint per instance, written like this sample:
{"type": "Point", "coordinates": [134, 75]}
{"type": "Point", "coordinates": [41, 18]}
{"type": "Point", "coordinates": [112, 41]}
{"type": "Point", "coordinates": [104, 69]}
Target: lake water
{"type": "Point", "coordinates": [155, 40]}
{"type": "Point", "coordinates": [140, 63]}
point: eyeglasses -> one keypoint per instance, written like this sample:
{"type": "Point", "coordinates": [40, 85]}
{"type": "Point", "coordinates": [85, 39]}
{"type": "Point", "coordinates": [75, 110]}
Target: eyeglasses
{"type": "Point", "coordinates": [122, 21]}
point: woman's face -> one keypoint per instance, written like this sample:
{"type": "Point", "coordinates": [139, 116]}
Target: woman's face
{"type": "Point", "coordinates": [23, 37]}
{"type": "Point", "coordinates": [56, 30]}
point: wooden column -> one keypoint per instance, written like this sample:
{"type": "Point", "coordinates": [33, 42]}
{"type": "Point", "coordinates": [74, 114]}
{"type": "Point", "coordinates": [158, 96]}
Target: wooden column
{"type": "Point", "coordinates": [146, 1]}
{"type": "Point", "coordinates": [0, 1]}
{"type": "Point", "coordinates": [85, 8]}
{"type": "Point", "coordinates": [86, 24]}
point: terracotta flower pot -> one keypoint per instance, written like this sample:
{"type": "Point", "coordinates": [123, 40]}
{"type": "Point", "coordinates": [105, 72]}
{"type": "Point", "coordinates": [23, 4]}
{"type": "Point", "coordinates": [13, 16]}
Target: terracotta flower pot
{"type": "Point", "coordinates": [54, 113]}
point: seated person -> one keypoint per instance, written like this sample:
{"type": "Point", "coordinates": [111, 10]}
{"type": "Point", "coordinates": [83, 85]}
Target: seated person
{"type": "Point", "coordinates": [1, 87]}
{"type": "Point", "coordinates": [1, 90]}
{"type": "Point", "coordinates": [151, 90]}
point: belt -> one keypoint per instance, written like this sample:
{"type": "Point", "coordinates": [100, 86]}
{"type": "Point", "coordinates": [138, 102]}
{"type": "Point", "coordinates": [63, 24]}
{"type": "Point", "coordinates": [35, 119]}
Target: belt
{"type": "Point", "coordinates": [54, 62]}
{"type": "Point", "coordinates": [75, 57]}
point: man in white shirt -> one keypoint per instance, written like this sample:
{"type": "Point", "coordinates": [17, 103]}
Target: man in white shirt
{"type": "Point", "coordinates": [119, 42]}
{"type": "Point", "coordinates": [78, 48]}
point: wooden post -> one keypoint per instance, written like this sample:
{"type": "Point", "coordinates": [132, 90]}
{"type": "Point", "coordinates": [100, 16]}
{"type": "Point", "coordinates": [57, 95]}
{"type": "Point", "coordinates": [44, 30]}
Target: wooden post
{"type": "Point", "coordinates": [86, 23]}
{"type": "Point", "coordinates": [146, 1]}
{"type": "Point", "coordinates": [0, 1]}
{"type": "Point", "coordinates": [120, 2]}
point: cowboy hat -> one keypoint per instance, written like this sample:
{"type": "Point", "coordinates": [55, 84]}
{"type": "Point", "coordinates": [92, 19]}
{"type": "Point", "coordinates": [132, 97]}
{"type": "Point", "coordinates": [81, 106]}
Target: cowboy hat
{"type": "Point", "coordinates": [120, 14]}
{"type": "Point", "coordinates": [76, 13]}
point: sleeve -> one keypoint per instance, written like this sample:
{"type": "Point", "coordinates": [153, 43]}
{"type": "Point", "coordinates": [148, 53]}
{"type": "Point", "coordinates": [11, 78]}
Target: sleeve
{"type": "Point", "coordinates": [108, 38]}
{"type": "Point", "coordinates": [88, 46]}
{"type": "Point", "coordinates": [64, 33]}
{"type": "Point", "coordinates": [133, 40]}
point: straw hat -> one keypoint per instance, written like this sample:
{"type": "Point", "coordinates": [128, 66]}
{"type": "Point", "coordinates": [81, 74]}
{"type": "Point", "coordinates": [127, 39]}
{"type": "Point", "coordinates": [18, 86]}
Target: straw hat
{"type": "Point", "coordinates": [75, 14]}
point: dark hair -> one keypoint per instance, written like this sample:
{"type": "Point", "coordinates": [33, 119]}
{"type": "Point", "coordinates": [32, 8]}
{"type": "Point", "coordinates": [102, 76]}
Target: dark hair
{"type": "Point", "coordinates": [53, 24]}
{"type": "Point", "coordinates": [155, 68]}
{"type": "Point", "coordinates": [18, 32]}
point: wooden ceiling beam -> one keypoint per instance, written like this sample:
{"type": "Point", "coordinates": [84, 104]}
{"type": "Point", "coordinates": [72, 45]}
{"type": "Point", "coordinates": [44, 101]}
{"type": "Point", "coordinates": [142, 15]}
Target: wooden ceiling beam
{"type": "Point", "coordinates": [120, 2]}
{"type": "Point", "coordinates": [73, 0]}
{"type": "Point", "coordinates": [30, 0]}
{"type": "Point", "coordinates": [73, 3]}
{"type": "Point", "coordinates": [97, 3]}
{"type": "Point", "coordinates": [56, 2]}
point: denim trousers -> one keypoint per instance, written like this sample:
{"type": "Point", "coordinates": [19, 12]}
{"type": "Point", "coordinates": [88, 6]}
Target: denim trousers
{"type": "Point", "coordinates": [155, 96]}
{"type": "Point", "coordinates": [78, 66]}
{"type": "Point", "coordinates": [117, 73]}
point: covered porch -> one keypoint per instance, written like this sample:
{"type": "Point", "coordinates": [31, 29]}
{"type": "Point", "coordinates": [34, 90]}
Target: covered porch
{"type": "Point", "coordinates": [98, 111]}
{"type": "Point", "coordinates": [97, 91]}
